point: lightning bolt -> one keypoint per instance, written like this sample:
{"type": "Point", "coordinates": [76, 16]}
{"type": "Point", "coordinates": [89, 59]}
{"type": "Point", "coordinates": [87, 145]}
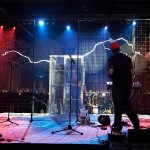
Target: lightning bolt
{"type": "Point", "coordinates": [13, 51]}
{"type": "Point", "coordinates": [103, 43]}
{"type": "Point", "coordinates": [88, 53]}
{"type": "Point", "coordinates": [99, 43]}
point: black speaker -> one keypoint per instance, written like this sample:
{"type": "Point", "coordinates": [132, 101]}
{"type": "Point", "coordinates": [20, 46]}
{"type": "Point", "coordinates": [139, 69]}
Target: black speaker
{"type": "Point", "coordinates": [139, 136]}
{"type": "Point", "coordinates": [104, 120]}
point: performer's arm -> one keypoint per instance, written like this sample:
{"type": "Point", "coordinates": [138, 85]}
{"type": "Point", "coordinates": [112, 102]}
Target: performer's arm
{"type": "Point", "coordinates": [110, 69]}
{"type": "Point", "coordinates": [110, 72]}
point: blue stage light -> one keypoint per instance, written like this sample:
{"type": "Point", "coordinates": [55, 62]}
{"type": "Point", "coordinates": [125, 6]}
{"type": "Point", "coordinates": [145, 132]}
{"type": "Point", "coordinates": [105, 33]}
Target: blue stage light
{"type": "Point", "coordinates": [41, 22]}
{"type": "Point", "coordinates": [106, 27]}
{"type": "Point", "coordinates": [134, 23]}
{"type": "Point", "coordinates": [68, 27]}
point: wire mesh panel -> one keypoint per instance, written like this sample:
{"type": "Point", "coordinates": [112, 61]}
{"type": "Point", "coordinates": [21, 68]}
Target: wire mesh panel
{"type": "Point", "coordinates": [89, 44]}
{"type": "Point", "coordinates": [142, 64]}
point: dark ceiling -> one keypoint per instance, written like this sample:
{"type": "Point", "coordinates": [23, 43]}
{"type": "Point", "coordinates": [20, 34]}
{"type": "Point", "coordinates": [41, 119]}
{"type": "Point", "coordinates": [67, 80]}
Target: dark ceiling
{"type": "Point", "coordinates": [47, 8]}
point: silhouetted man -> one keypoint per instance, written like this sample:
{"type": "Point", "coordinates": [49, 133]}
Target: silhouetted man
{"type": "Point", "coordinates": [120, 70]}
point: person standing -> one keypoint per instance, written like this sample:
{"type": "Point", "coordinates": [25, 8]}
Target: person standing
{"type": "Point", "coordinates": [120, 71]}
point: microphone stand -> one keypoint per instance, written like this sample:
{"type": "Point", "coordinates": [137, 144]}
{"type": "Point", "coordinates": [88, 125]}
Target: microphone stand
{"type": "Point", "coordinates": [10, 98]}
{"type": "Point", "coordinates": [32, 94]}
{"type": "Point", "coordinates": [69, 125]}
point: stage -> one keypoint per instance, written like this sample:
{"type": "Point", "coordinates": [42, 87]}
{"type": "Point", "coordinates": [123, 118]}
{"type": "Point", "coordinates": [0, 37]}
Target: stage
{"type": "Point", "coordinates": [25, 129]}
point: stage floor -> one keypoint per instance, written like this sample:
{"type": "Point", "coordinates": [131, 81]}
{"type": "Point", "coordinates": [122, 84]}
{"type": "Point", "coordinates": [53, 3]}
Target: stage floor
{"type": "Point", "coordinates": [39, 128]}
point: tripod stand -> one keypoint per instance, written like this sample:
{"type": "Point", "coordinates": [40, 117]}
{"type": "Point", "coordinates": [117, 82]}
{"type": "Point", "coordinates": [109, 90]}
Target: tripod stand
{"type": "Point", "coordinates": [69, 125]}
{"type": "Point", "coordinates": [10, 96]}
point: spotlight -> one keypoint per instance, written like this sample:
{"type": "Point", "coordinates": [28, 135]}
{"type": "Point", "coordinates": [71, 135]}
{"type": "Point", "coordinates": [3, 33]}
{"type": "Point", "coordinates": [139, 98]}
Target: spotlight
{"type": "Point", "coordinates": [106, 27]}
{"type": "Point", "coordinates": [41, 22]}
{"type": "Point", "coordinates": [134, 23]}
{"type": "Point", "coordinates": [68, 27]}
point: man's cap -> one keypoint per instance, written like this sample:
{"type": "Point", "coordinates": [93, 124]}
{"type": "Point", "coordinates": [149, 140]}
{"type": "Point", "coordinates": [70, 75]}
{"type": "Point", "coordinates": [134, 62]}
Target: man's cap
{"type": "Point", "coordinates": [115, 47]}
